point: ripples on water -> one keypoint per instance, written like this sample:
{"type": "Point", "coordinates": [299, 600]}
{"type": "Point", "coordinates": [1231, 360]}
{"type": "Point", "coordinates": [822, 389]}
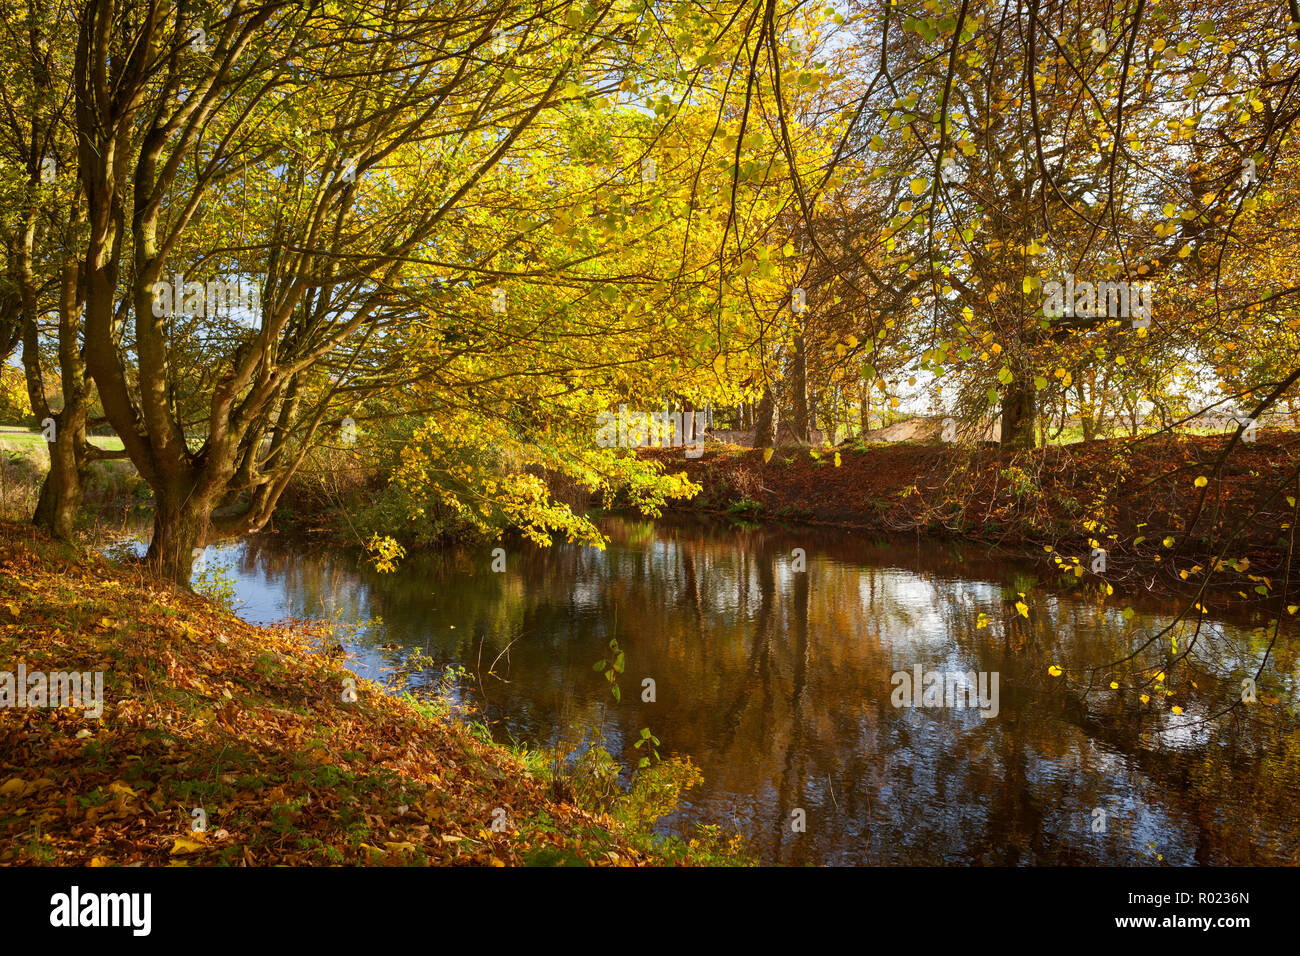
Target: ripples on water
{"type": "Point", "coordinates": [777, 683]}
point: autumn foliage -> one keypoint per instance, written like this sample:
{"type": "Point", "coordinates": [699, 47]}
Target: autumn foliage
{"type": "Point", "coordinates": [249, 725]}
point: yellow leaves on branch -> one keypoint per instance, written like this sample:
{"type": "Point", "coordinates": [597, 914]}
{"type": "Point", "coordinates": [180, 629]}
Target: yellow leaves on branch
{"type": "Point", "coordinates": [385, 552]}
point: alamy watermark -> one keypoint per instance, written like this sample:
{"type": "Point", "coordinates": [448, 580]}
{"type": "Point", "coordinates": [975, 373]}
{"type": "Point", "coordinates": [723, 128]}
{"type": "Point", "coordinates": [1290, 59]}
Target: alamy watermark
{"type": "Point", "coordinates": [1116, 300]}
{"type": "Point", "coordinates": [661, 429]}
{"type": "Point", "coordinates": [921, 688]}
{"type": "Point", "coordinates": [75, 908]}
{"type": "Point", "coordinates": [84, 689]}
{"type": "Point", "coordinates": [206, 300]}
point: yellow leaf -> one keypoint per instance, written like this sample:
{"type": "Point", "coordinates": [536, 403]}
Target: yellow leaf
{"type": "Point", "coordinates": [837, 459]}
{"type": "Point", "coordinates": [1023, 608]}
{"type": "Point", "coordinates": [1176, 709]}
{"type": "Point", "coordinates": [767, 454]}
{"type": "Point", "coordinates": [1054, 671]}
{"type": "Point", "coordinates": [190, 843]}
{"type": "Point", "coordinates": [1202, 482]}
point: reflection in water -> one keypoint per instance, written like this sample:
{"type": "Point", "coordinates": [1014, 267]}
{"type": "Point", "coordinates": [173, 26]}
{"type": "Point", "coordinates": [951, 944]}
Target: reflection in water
{"type": "Point", "coordinates": [777, 683]}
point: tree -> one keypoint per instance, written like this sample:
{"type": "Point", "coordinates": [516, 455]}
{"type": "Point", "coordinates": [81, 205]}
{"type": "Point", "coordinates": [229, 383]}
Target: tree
{"type": "Point", "coordinates": [356, 145]}
{"type": "Point", "coordinates": [39, 231]}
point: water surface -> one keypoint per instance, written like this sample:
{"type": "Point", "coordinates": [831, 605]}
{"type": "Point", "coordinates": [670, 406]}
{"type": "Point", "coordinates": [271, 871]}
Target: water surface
{"type": "Point", "coordinates": [777, 683]}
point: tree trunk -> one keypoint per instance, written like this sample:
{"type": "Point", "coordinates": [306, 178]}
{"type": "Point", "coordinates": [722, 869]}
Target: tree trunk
{"type": "Point", "coordinates": [1087, 423]}
{"type": "Point", "coordinates": [1018, 415]}
{"type": "Point", "coordinates": [799, 390]}
{"type": "Point", "coordinates": [763, 420]}
{"type": "Point", "coordinates": [60, 498]}
{"type": "Point", "coordinates": [180, 525]}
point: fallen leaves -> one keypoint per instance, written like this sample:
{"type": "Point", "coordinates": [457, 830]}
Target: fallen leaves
{"type": "Point", "coordinates": [15, 788]}
{"type": "Point", "coordinates": [204, 711]}
{"type": "Point", "coordinates": [190, 843]}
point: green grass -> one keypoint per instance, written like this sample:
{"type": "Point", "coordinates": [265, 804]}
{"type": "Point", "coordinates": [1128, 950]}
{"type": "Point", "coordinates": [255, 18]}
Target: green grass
{"type": "Point", "coordinates": [25, 458]}
{"type": "Point", "coordinates": [31, 443]}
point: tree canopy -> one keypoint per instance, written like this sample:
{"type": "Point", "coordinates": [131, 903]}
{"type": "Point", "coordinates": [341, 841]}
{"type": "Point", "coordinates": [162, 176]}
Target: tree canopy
{"type": "Point", "coordinates": [239, 233]}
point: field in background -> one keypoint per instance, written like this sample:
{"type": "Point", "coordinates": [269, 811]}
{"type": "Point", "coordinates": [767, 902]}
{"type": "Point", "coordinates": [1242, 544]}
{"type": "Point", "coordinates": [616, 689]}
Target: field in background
{"type": "Point", "coordinates": [24, 459]}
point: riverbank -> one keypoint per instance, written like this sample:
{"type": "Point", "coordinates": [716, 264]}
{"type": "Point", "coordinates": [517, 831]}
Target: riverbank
{"type": "Point", "coordinates": [1163, 503]}
{"type": "Point", "coordinates": [260, 734]}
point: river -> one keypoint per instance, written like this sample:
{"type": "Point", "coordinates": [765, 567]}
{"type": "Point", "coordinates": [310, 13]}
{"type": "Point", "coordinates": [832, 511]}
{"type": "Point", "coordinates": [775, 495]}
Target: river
{"type": "Point", "coordinates": [774, 656]}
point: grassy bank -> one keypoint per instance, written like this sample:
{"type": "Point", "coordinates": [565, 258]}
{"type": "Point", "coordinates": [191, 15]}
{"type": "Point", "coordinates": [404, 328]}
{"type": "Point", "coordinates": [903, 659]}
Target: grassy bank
{"type": "Point", "coordinates": [253, 727]}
